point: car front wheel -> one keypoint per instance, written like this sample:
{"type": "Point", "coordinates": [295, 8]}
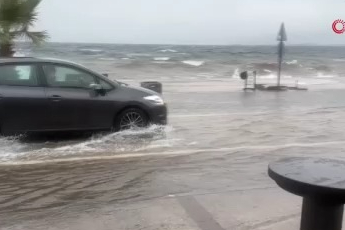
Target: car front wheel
{"type": "Point", "coordinates": [131, 119]}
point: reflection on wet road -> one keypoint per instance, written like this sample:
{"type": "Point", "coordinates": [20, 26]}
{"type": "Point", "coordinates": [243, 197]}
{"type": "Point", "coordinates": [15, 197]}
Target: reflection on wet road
{"type": "Point", "coordinates": [207, 169]}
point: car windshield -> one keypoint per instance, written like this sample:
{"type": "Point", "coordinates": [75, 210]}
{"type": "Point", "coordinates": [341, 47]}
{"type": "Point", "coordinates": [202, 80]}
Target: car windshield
{"type": "Point", "coordinates": [172, 114]}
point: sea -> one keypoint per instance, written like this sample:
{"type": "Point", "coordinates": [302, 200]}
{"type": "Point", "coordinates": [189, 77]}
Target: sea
{"type": "Point", "coordinates": [212, 155]}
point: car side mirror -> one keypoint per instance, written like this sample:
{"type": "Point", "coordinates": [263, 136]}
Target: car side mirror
{"type": "Point", "coordinates": [97, 88]}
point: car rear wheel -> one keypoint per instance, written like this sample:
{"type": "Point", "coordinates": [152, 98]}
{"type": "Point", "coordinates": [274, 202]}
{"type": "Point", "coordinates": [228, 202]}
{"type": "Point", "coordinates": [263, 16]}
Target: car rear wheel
{"type": "Point", "coordinates": [131, 119]}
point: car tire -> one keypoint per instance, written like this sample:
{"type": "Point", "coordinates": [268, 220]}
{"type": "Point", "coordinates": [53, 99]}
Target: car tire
{"type": "Point", "coordinates": [132, 118]}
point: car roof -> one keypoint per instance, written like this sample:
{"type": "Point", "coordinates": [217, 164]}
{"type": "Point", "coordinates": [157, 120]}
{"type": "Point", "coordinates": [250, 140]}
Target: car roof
{"type": "Point", "coordinates": [34, 60]}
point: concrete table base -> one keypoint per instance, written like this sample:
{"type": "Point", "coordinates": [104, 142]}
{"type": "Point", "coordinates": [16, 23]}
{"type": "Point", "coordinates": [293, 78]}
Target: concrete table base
{"type": "Point", "coordinates": [318, 215]}
{"type": "Point", "coordinates": [321, 183]}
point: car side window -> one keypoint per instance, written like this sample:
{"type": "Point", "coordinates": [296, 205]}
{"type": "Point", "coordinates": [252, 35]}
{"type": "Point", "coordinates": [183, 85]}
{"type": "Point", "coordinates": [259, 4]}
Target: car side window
{"type": "Point", "coordinates": [105, 85]}
{"type": "Point", "coordinates": [18, 75]}
{"type": "Point", "coordinates": [67, 77]}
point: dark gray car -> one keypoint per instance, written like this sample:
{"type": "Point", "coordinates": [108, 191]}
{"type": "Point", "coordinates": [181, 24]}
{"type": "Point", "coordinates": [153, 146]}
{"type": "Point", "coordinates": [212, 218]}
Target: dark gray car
{"type": "Point", "coordinates": [52, 95]}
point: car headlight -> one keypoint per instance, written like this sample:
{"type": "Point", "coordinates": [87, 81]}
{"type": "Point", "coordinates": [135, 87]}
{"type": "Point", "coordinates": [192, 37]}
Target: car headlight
{"type": "Point", "coordinates": [154, 99]}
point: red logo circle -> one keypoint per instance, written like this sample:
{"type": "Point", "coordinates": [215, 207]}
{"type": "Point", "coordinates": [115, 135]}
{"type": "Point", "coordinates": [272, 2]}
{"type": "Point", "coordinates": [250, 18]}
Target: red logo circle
{"type": "Point", "coordinates": [340, 23]}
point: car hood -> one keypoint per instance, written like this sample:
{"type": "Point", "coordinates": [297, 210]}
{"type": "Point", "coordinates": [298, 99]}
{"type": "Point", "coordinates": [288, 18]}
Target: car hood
{"type": "Point", "coordinates": [140, 89]}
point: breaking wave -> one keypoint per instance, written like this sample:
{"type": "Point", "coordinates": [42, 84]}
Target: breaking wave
{"type": "Point", "coordinates": [161, 58]}
{"type": "Point", "coordinates": [321, 75]}
{"type": "Point", "coordinates": [293, 62]}
{"type": "Point", "coordinates": [90, 51]}
{"type": "Point", "coordinates": [19, 54]}
{"type": "Point", "coordinates": [270, 76]}
{"type": "Point", "coordinates": [236, 74]}
{"type": "Point", "coordinates": [107, 59]}
{"type": "Point", "coordinates": [193, 63]}
{"type": "Point", "coordinates": [168, 51]}
{"type": "Point", "coordinates": [339, 60]}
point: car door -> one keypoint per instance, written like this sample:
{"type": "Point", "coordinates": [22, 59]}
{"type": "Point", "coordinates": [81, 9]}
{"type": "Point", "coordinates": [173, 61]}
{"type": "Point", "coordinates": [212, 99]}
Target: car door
{"type": "Point", "coordinates": [73, 104]}
{"type": "Point", "coordinates": [23, 104]}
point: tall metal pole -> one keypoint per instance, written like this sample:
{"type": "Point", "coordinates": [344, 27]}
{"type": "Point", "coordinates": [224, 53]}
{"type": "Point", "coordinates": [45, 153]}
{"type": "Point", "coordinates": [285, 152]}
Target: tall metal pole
{"type": "Point", "coordinates": [280, 60]}
{"type": "Point", "coordinates": [281, 38]}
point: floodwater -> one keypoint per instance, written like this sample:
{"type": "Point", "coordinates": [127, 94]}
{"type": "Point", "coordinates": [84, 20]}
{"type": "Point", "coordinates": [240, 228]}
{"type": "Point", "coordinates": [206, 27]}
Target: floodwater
{"type": "Point", "coordinates": [206, 170]}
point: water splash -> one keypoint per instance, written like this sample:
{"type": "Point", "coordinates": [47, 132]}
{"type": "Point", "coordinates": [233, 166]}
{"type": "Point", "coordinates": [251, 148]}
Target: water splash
{"type": "Point", "coordinates": [20, 149]}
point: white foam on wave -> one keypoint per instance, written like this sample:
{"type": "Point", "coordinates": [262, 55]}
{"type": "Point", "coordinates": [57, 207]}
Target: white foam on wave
{"type": "Point", "coordinates": [161, 58]}
{"type": "Point", "coordinates": [107, 59]}
{"type": "Point", "coordinates": [321, 75]}
{"type": "Point", "coordinates": [162, 62]}
{"type": "Point", "coordinates": [321, 81]}
{"type": "Point", "coordinates": [339, 60]}
{"type": "Point", "coordinates": [270, 76]}
{"type": "Point", "coordinates": [168, 51]}
{"type": "Point", "coordinates": [293, 62]}
{"type": "Point", "coordinates": [91, 50]}
{"type": "Point", "coordinates": [193, 62]}
{"type": "Point", "coordinates": [236, 74]}
{"type": "Point", "coordinates": [19, 54]}
{"type": "Point", "coordinates": [267, 71]}
{"type": "Point", "coordinates": [208, 75]}
{"type": "Point", "coordinates": [274, 76]}
{"type": "Point", "coordinates": [139, 55]}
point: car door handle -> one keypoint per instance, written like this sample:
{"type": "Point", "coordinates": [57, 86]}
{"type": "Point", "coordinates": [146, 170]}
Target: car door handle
{"type": "Point", "coordinates": [55, 98]}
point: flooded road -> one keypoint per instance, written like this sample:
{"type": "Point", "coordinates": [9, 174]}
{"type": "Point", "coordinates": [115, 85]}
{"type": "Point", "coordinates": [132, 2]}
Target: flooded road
{"type": "Point", "coordinates": [206, 170]}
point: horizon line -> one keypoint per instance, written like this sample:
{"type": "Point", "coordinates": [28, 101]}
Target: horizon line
{"type": "Point", "coordinates": [182, 44]}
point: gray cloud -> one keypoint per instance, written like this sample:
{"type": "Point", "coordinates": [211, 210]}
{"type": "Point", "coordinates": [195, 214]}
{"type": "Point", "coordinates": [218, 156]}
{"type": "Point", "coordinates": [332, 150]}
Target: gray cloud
{"type": "Point", "coordinates": [191, 21]}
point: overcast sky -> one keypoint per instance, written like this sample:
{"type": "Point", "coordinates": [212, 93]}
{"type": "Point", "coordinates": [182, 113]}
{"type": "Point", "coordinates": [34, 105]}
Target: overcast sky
{"type": "Point", "coordinates": [191, 21]}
